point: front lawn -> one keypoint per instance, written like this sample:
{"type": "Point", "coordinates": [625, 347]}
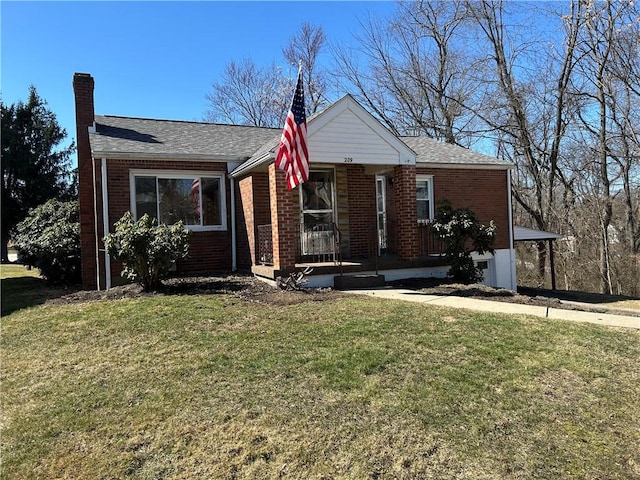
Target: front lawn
{"type": "Point", "coordinates": [22, 288]}
{"type": "Point", "coordinates": [214, 386]}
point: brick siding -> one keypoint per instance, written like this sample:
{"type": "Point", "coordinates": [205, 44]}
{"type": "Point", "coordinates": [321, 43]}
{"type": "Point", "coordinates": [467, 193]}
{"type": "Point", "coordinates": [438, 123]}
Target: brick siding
{"type": "Point", "coordinates": [483, 191]}
{"type": "Point", "coordinates": [362, 211]}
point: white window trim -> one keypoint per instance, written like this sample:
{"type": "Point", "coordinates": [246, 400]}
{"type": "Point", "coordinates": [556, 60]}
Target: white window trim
{"type": "Point", "coordinates": [182, 174]}
{"type": "Point", "coordinates": [429, 180]}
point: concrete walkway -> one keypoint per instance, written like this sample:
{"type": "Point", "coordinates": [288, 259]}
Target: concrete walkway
{"type": "Point", "coordinates": [607, 319]}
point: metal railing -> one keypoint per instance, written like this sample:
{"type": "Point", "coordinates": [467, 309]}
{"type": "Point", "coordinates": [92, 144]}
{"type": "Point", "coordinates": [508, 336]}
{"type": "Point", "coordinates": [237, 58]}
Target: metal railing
{"type": "Point", "coordinates": [265, 245]}
{"type": "Point", "coordinates": [429, 243]}
{"type": "Point", "coordinates": [321, 243]}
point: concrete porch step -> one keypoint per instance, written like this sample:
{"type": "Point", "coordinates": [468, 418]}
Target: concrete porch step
{"type": "Point", "coordinates": [349, 282]}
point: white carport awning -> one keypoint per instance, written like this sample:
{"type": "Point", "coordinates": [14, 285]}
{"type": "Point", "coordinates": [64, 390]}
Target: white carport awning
{"type": "Point", "coordinates": [522, 234]}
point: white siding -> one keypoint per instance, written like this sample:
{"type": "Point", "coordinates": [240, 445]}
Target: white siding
{"type": "Point", "coordinates": [347, 139]}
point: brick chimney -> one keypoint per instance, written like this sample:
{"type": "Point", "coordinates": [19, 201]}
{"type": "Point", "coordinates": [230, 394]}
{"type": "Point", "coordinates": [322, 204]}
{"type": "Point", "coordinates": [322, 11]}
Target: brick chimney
{"type": "Point", "coordinates": [85, 119]}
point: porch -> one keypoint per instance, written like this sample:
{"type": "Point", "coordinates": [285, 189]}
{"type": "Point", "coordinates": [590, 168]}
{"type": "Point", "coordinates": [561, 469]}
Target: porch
{"type": "Point", "coordinates": [320, 250]}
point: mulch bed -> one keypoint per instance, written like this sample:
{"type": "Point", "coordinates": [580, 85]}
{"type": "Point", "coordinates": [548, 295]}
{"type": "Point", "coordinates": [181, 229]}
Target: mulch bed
{"type": "Point", "coordinates": [250, 289]}
{"type": "Point", "coordinates": [245, 287]}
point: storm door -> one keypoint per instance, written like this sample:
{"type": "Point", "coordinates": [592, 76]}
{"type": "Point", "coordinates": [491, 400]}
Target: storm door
{"type": "Point", "coordinates": [381, 213]}
{"type": "Point", "coordinates": [318, 233]}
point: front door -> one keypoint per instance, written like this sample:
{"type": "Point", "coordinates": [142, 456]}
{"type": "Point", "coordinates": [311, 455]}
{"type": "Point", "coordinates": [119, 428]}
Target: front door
{"type": "Point", "coordinates": [317, 226]}
{"type": "Point", "coordinates": [381, 207]}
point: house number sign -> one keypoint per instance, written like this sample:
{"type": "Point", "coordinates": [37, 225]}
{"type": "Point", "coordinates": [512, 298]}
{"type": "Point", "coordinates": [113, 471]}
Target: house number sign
{"type": "Point", "coordinates": [348, 159]}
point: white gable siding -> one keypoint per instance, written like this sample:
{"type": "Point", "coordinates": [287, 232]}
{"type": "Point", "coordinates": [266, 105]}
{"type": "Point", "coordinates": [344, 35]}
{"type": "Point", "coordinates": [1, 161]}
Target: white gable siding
{"type": "Point", "coordinates": [347, 139]}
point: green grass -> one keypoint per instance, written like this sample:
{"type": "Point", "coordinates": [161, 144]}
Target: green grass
{"type": "Point", "coordinates": [186, 387]}
{"type": "Point", "coordinates": [22, 288]}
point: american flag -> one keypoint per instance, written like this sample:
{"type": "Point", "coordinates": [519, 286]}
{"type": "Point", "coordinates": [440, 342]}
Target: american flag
{"type": "Point", "coordinates": [293, 156]}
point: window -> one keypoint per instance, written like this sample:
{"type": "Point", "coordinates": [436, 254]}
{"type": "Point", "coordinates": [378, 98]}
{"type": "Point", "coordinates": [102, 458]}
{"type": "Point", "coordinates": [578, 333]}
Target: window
{"type": "Point", "coordinates": [424, 198]}
{"type": "Point", "coordinates": [195, 198]}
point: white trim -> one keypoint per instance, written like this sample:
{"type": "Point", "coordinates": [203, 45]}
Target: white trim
{"type": "Point", "coordinates": [105, 223]}
{"type": "Point", "coordinates": [429, 180]}
{"type": "Point", "coordinates": [160, 173]}
{"type": "Point", "coordinates": [234, 253]}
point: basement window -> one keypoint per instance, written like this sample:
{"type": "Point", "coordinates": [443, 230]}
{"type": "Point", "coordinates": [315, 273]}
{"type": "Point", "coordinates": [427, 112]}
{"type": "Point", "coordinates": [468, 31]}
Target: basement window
{"type": "Point", "coordinates": [195, 198]}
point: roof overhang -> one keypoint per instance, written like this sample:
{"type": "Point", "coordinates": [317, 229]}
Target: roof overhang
{"type": "Point", "coordinates": [467, 166]}
{"type": "Point", "coordinates": [523, 234]}
{"type": "Point", "coordinates": [253, 164]}
{"type": "Point", "coordinates": [167, 156]}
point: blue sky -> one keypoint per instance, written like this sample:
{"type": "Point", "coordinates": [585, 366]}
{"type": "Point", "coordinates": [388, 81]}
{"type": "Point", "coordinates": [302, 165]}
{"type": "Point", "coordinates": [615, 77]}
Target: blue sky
{"type": "Point", "coordinates": [152, 59]}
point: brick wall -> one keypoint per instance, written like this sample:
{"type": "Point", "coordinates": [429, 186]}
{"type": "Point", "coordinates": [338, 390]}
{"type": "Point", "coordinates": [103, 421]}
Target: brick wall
{"type": "Point", "coordinates": [243, 254]}
{"type": "Point", "coordinates": [83, 86]}
{"type": "Point", "coordinates": [483, 191]}
{"type": "Point", "coordinates": [255, 210]}
{"type": "Point", "coordinates": [406, 224]}
{"type": "Point", "coordinates": [342, 209]}
{"type": "Point", "coordinates": [362, 211]}
{"type": "Point", "coordinates": [284, 213]}
{"type": "Point", "coordinates": [209, 251]}
{"type": "Point", "coordinates": [245, 224]}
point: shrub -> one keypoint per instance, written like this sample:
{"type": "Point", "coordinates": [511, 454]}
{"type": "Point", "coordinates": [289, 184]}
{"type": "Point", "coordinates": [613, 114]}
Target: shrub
{"type": "Point", "coordinates": [49, 239]}
{"type": "Point", "coordinates": [462, 234]}
{"type": "Point", "coordinates": [146, 249]}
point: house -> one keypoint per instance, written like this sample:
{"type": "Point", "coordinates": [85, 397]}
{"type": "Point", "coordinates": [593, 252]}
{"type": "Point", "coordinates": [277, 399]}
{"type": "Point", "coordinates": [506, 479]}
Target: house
{"type": "Point", "coordinates": [364, 211]}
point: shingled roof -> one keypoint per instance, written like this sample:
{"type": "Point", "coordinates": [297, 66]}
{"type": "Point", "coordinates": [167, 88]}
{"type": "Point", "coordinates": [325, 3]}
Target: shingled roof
{"type": "Point", "coordinates": [142, 137]}
{"type": "Point", "coordinates": [128, 137]}
{"type": "Point", "coordinates": [438, 152]}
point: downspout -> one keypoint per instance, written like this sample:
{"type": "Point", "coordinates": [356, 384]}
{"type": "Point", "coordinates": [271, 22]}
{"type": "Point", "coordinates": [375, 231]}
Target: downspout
{"type": "Point", "coordinates": [105, 223]}
{"type": "Point", "coordinates": [512, 253]}
{"type": "Point", "coordinates": [234, 265]}
{"type": "Point", "coordinates": [95, 220]}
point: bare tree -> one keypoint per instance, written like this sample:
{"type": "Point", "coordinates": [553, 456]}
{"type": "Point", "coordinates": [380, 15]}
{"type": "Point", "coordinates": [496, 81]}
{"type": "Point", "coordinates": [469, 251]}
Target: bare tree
{"type": "Point", "coordinates": [250, 95]}
{"type": "Point", "coordinates": [417, 78]}
{"type": "Point", "coordinates": [261, 96]}
{"type": "Point", "coordinates": [529, 113]}
{"type": "Point", "coordinates": [609, 96]}
{"type": "Point", "coordinates": [306, 47]}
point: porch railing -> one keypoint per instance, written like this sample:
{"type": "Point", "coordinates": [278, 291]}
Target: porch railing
{"type": "Point", "coordinates": [320, 243]}
{"type": "Point", "coordinates": [429, 243]}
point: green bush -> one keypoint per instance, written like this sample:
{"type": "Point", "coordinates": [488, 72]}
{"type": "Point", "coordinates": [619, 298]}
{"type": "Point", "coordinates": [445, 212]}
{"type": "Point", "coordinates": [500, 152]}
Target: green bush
{"type": "Point", "coordinates": [146, 249]}
{"type": "Point", "coordinates": [49, 239]}
{"type": "Point", "coordinates": [462, 234]}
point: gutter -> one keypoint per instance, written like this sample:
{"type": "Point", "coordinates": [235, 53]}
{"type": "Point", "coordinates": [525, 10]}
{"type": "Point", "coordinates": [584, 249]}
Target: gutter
{"type": "Point", "coordinates": [512, 252]}
{"type": "Point", "coordinates": [466, 166]}
{"type": "Point", "coordinates": [234, 262]}
{"type": "Point", "coordinates": [95, 220]}
{"type": "Point", "coordinates": [186, 157]}
{"type": "Point", "coordinates": [251, 164]}
{"type": "Point", "coordinates": [105, 222]}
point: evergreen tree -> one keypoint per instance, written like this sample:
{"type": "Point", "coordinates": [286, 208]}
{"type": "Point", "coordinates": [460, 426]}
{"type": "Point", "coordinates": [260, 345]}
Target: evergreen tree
{"type": "Point", "coordinates": [34, 167]}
